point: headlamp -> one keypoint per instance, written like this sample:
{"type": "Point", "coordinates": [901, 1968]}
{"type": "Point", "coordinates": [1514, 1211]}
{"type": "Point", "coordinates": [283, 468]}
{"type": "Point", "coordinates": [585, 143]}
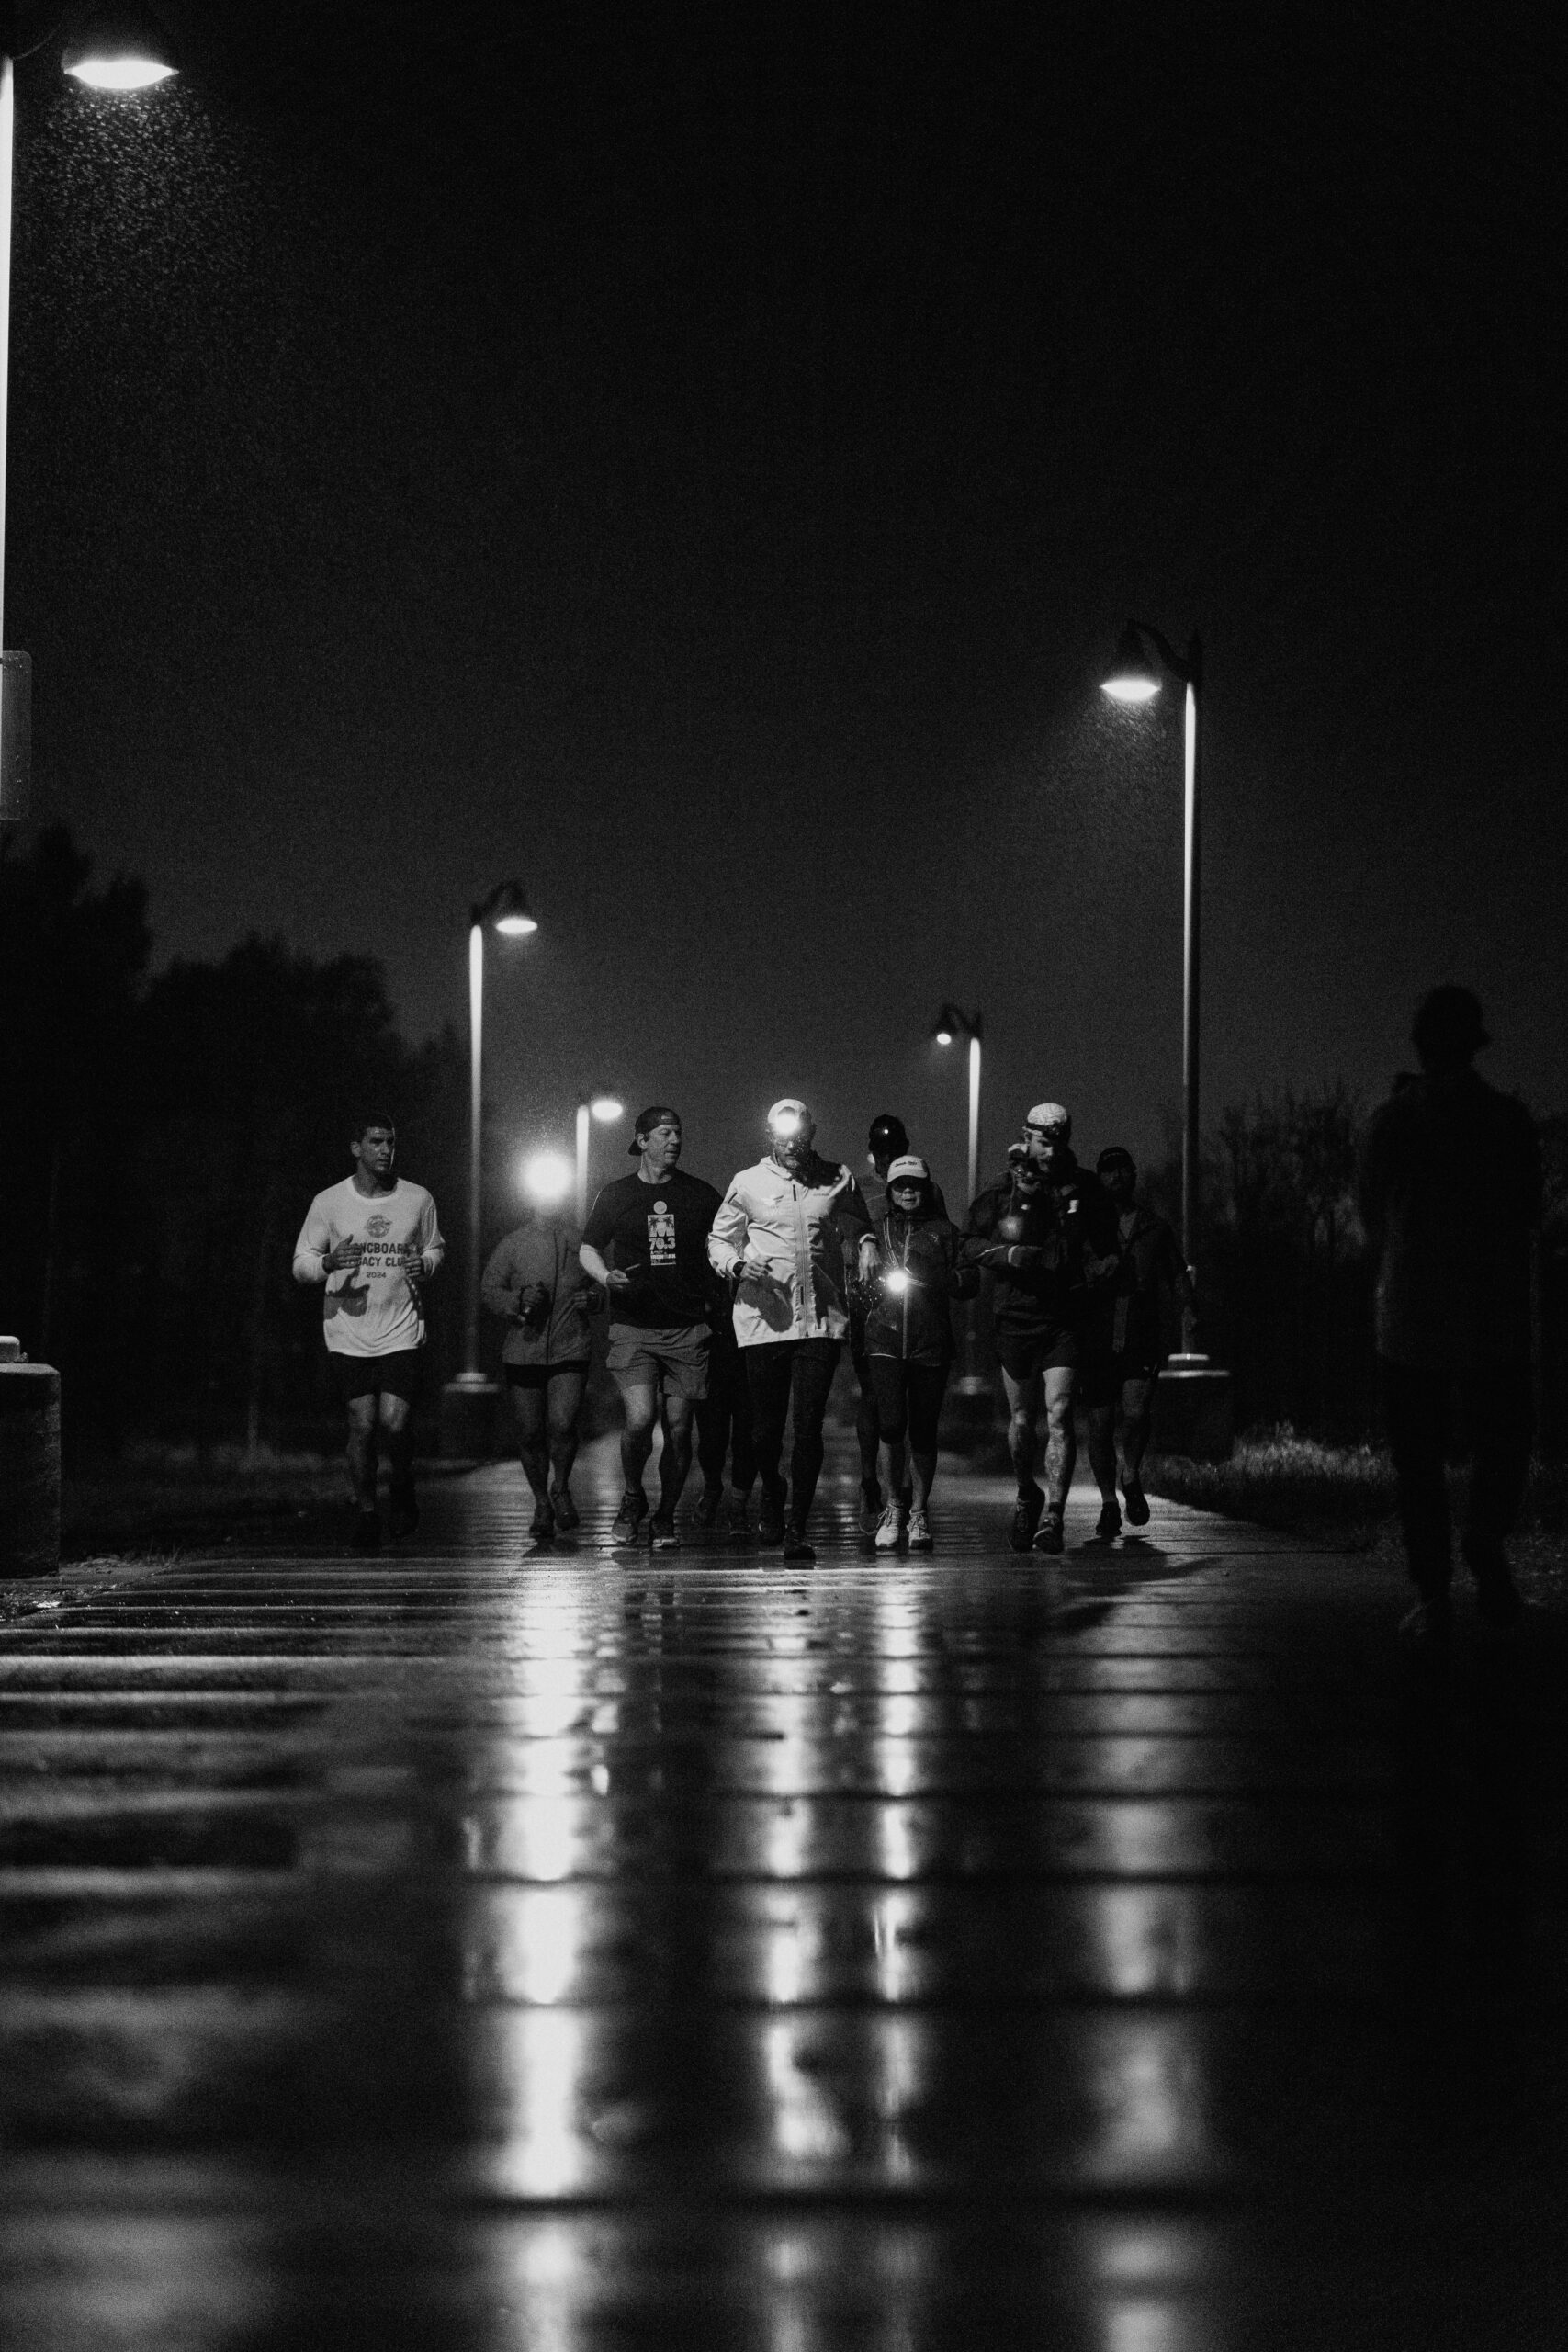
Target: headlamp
{"type": "Point", "coordinates": [897, 1280]}
{"type": "Point", "coordinates": [787, 1124]}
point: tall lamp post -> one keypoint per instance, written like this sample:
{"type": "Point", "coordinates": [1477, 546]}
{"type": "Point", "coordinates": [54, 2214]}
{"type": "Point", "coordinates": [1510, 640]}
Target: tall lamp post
{"type": "Point", "coordinates": [951, 1024]}
{"type": "Point", "coordinates": [606, 1108]}
{"type": "Point", "coordinates": [128, 55]}
{"type": "Point", "coordinates": [1204, 1423]}
{"type": "Point", "coordinates": [467, 1397]}
{"type": "Point", "coordinates": [123, 50]}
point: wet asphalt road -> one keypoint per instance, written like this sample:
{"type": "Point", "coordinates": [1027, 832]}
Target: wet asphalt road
{"type": "Point", "coordinates": [566, 1949]}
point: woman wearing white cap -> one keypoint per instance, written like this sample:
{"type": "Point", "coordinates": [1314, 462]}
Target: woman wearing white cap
{"type": "Point", "coordinates": [778, 1240]}
{"type": "Point", "coordinates": [908, 1341]}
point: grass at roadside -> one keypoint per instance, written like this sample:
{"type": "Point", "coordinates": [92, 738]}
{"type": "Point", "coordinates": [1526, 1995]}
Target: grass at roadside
{"type": "Point", "coordinates": [1343, 1495]}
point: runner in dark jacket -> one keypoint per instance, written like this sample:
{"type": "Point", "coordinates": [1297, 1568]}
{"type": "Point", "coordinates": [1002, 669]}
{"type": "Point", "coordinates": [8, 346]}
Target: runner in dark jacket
{"type": "Point", "coordinates": [908, 1341]}
{"type": "Point", "coordinates": [1126, 1342]}
{"type": "Point", "coordinates": [1047, 1235]}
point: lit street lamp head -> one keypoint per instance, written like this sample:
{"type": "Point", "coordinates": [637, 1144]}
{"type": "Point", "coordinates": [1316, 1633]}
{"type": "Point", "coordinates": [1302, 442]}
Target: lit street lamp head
{"type": "Point", "coordinates": [120, 49]}
{"type": "Point", "coordinates": [1131, 677]}
{"type": "Point", "coordinates": [606, 1109]}
{"type": "Point", "coordinates": [506, 910]}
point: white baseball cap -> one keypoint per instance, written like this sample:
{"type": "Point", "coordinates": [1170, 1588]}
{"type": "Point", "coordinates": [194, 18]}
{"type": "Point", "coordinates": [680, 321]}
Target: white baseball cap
{"type": "Point", "coordinates": [910, 1169]}
{"type": "Point", "coordinates": [788, 1115]}
{"type": "Point", "coordinates": [1048, 1115]}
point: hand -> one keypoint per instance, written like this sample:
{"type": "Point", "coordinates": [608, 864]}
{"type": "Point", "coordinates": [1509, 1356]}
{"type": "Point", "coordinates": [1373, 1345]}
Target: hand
{"type": "Point", "coordinates": [533, 1303]}
{"type": "Point", "coordinates": [412, 1261]}
{"type": "Point", "coordinates": [343, 1257]}
{"type": "Point", "coordinates": [618, 1278]}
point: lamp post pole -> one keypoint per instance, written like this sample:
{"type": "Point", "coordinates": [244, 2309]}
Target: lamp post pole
{"type": "Point", "coordinates": [953, 1021]}
{"type": "Point", "coordinates": [469, 1395]}
{"type": "Point", "coordinates": [605, 1107]}
{"type": "Point", "coordinates": [1132, 679]}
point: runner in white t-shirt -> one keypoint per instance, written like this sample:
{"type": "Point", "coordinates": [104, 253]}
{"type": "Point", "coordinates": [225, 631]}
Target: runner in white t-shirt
{"type": "Point", "coordinates": [373, 1242]}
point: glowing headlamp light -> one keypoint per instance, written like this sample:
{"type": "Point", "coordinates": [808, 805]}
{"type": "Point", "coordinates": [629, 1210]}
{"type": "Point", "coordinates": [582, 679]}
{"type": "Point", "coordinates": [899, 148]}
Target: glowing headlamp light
{"type": "Point", "coordinates": [896, 1281]}
{"type": "Point", "coordinates": [787, 1124]}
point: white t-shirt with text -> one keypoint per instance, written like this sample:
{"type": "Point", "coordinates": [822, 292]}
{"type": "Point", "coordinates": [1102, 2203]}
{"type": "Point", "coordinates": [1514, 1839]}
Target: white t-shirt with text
{"type": "Point", "coordinates": [371, 1311]}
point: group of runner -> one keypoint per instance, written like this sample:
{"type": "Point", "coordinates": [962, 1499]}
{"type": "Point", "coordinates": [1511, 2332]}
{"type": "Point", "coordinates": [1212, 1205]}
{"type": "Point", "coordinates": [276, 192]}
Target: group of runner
{"type": "Point", "coordinates": [729, 1314]}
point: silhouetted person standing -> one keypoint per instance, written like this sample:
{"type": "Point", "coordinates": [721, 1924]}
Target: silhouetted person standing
{"type": "Point", "coordinates": [1449, 1192]}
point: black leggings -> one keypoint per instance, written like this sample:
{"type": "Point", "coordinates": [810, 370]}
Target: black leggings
{"type": "Point", "coordinates": [909, 1396]}
{"type": "Point", "coordinates": [782, 1374]}
{"type": "Point", "coordinates": [724, 1420]}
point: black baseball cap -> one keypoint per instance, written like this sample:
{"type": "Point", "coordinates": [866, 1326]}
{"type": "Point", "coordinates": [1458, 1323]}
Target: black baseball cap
{"type": "Point", "coordinates": [658, 1114]}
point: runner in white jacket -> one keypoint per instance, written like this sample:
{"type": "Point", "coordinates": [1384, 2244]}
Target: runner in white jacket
{"type": "Point", "coordinates": [779, 1240]}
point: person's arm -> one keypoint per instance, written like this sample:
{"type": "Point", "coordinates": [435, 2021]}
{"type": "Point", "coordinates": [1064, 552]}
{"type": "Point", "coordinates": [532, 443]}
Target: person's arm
{"type": "Point", "coordinates": [963, 1282]}
{"type": "Point", "coordinates": [313, 1247]}
{"type": "Point", "coordinates": [854, 1220]}
{"type": "Point", "coordinates": [727, 1235]}
{"type": "Point", "coordinates": [427, 1239]}
{"type": "Point", "coordinates": [498, 1290]}
{"type": "Point", "coordinates": [598, 1235]}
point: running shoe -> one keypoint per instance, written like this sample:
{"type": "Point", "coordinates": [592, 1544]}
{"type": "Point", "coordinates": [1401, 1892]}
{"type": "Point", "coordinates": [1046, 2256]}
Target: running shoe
{"type": "Point", "coordinates": [661, 1532]}
{"type": "Point", "coordinates": [566, 1512]}
{"type": "Point", "coordinates": [627, 1522]}
{"type": "Point", "coordinates": [543, 1523]}
{"type": "Point", "coordinates": [795, 1546]}
{"type": "Point", "coordinates": [367, 1531]}
{"type": "Point", "coordinates": [890, 1527]}
{"type": "Point", "coordinates": [1050, 1536]}
{"type": "Point", "coordinates": [1026, 1518]}
{"type": "Point", "coordinates": [1137, 1503]}
{"type": "Point", "coordinates": [870, 1507]}
{"type": "Point", "coordinates": [770, 1516]}
{"type": "Point", "coordinates": [918, 1532]}
{"type": "Point", "coordinates": [737, 1523]}
{"type": "Point", "coordinates": [1107, 1526]}
{"type": "Point", "coordinates": [710, 1502]}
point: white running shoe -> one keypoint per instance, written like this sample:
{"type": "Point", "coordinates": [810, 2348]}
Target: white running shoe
{"type": "Point", "coordinates": [920, 1530]}
{"type": "Point", "coordinates": [890, 1527]}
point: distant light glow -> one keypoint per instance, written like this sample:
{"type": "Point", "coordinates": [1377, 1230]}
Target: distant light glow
{"type": "Point", "coordinates": [123, 73]}
{"type": "Point", "coordinates": [548, 1176]}
{"type": "Point", "coordinates": [515, 926]}
{"type": "Point", "coordinates": [605, 1107]}
{"type": "Point", "coordinates": [1130, 689]}
{"type": "Point", "coordinates": [944, 1037]}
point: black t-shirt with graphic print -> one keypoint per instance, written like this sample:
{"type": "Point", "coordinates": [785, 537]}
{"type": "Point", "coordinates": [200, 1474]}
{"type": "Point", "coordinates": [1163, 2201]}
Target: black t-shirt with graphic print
{"type": "Point", "coordinates": [659, 1235]}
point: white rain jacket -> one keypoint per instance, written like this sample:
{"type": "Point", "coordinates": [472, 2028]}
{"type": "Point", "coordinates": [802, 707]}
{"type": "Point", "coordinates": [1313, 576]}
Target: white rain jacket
{"type": "Point", "coordinates": [788, 1232]}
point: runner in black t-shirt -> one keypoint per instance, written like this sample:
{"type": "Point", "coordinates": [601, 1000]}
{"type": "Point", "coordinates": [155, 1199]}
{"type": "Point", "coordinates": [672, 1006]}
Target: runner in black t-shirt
{"type": "Point", "coordinates": [646, 1240]}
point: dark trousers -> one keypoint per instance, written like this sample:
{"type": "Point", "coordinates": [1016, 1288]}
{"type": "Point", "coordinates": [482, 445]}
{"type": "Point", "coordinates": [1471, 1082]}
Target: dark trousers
{"type": "Point", "coordinates": [724, 1420]}
{"type": "Point", "coordinates": [785, 1375]}
{"type": "Point", "coordinates": [909, 1396]}
{"type": "Point", "coordinates": [1494, 1414]}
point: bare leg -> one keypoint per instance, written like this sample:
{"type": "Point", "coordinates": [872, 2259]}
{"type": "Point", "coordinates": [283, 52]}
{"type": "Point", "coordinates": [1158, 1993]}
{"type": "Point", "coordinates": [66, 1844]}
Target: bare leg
{"type": "Point", "coordinates": [637, 1438]}
{"type": "Point", "coordinates": [1101, 1419]}
{"type": "Point", "coordinates": [528, 1415]}
{"type": "Point", "coordinates": [1137, 1396]}
{"type": "Point", "coordinates": [675, 1460]}
{"type": "Point", "coordinates": [565, 1394]}
{"type": "Point", "coordinates": [362, 1450]}
{"type": "Point", "coordinates": [1061, 1438]}
{"type": "Point", "coordinates": [1023, 1414]}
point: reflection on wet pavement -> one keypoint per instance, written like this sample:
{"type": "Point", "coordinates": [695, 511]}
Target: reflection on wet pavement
{"type": "Point", "coordinates": [500, 1947]}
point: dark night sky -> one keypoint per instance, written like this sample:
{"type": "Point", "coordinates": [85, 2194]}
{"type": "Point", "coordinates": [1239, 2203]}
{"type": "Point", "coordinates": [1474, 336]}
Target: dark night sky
{"type": "Point", "coordinates": [699, 461]}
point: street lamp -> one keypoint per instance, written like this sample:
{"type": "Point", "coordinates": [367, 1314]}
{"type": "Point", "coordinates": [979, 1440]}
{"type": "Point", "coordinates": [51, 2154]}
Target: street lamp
{"type": "Point", "coordinates": [606, 1108]}
{"type": "Point", "coordinates": [1133, 677]}
{"type": "Point", "coordinates": [505, 910]}
{"type": "Point", "coordinates": [951, 1024]}
{"type": "Point", "coordinates": [120, 50]}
